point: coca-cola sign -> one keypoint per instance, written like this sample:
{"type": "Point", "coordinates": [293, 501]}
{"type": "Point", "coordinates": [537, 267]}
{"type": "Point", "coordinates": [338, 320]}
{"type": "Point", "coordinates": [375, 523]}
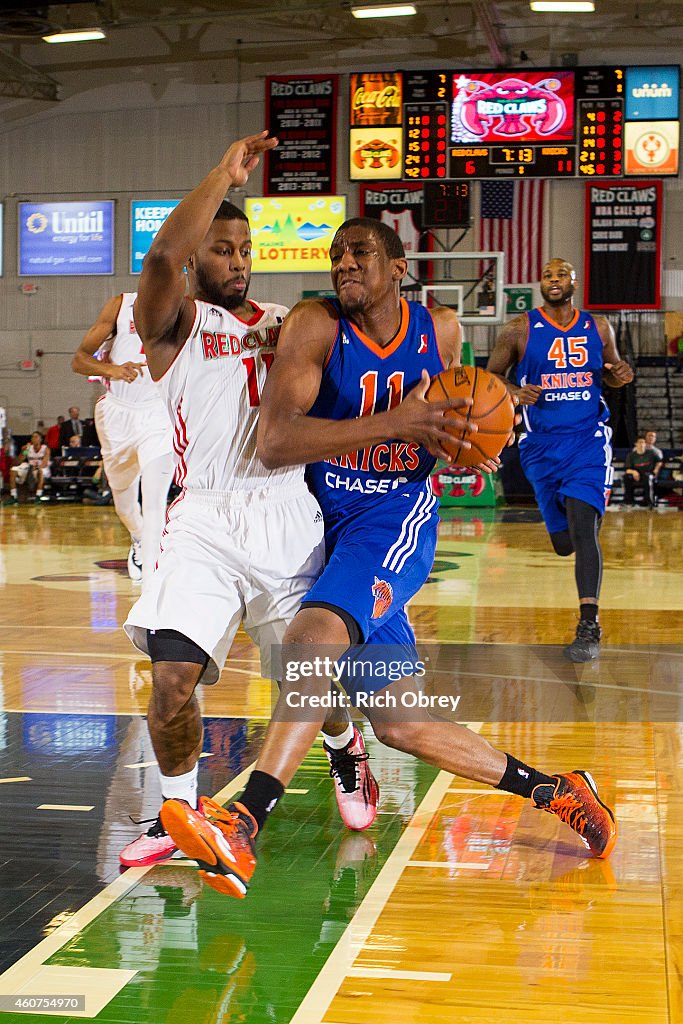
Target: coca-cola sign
{"type": "Point", "coordinates": [376, 99]}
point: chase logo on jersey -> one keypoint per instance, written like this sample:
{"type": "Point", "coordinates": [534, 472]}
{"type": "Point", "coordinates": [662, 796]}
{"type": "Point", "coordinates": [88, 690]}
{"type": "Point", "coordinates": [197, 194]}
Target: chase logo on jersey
{"type": "Point", "coordinates": [383, 594]}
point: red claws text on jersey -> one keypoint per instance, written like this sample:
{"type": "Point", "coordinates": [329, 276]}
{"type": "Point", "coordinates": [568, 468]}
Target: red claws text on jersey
{"type": "Point", "coordinates": [215, 345]}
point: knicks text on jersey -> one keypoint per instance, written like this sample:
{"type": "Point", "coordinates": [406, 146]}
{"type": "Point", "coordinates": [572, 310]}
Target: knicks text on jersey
{"type": "Point", "coordinates": [566, 362]}
{"type": "Point", "coordinates": [361, 378]}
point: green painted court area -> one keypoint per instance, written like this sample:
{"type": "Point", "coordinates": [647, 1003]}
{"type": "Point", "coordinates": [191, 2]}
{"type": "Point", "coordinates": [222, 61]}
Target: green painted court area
{"type": "Point", "coordinates": [202, 958]}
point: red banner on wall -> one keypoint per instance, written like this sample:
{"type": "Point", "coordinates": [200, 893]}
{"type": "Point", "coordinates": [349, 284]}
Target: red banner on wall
{"type": "Point", "coordinates": [302, 112]}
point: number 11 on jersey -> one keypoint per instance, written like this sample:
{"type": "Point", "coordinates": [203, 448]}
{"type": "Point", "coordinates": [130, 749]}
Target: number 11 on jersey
{"type": "Point", "coordinates": [252, 375]}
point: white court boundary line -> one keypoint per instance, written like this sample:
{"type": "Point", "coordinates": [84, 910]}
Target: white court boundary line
{"type": "Point", "coordinates": [340, 962]}
{"type": "Point", "coordinates": [20, 973]}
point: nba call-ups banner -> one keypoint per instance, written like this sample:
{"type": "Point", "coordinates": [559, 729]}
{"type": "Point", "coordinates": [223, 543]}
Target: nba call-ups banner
{"type": "Point", "coordinates": [302, 112]}
{"type": "Point", "coordinates": [60, 239]}
{"type": "Point", "coordinates": [293, 233]}
{"type": "Point", "coordinates": [623, 245]}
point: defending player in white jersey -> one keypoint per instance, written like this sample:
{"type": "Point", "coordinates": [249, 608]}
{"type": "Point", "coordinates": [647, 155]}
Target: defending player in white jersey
{"type": "Point", "coordinates": [242, 543]}
{"type": "Point", "coordinates": [133, 427]}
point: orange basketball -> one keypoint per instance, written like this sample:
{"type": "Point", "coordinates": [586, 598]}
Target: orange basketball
{"type": "Point", "coordinates": [492, 410]}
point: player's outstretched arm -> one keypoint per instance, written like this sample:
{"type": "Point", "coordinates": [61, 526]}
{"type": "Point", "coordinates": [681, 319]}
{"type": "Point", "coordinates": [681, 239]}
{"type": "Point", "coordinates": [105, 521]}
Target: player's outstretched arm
{"type": "Point", "coordinates": [448, 335]}
{"type": "Point", "coordinates": [104, 328]}
{"type": "Point", "coordinates": [287, 436]}
{"type": "Point", "coordinates": [507, 352]}
{"type": "Point", "coordinates": [163, 316]}
{"type": "Point", "coordinates": [616, 371]}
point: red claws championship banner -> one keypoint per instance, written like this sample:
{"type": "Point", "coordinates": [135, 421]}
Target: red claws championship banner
{"type": "Point", "coordinates": [302, 113]}
{"type": "Point", "coordinates": [623, 256]}
{"type": "Point", "coordinates": [399, 206]}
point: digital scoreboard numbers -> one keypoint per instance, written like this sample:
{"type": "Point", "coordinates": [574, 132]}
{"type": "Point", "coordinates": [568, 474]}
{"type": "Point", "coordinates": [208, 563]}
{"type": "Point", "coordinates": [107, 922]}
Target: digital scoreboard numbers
{"type": "Point", "coordinates": [513, 162]}
{"type": "Point", "coordinates": [425, 142]}
{"type": "Point", "coordinates": [446, 204]}
{"type": "Point", "coordinates": [600, 138]}
{"type": "Point", "coordinates": [583, 122]}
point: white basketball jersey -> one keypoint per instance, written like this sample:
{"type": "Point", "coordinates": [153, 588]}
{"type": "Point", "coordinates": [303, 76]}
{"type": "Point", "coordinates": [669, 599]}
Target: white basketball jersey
{"type": "Point", "coordinates": [126, 347]}
{"type": "Point", "coordinates": [213, 391]}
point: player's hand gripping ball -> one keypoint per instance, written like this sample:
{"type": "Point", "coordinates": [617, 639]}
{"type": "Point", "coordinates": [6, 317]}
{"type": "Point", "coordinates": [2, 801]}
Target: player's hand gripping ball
{"type": "Point", "coordinates": [492, 410]}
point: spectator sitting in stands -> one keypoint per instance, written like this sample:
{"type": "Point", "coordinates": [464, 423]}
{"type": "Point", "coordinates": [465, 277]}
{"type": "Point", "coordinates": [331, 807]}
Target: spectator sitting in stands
{"type": "Point", "coordinates": [69, 427]}
{"type": "Point", "coordinates": [34, 458]}
{"type": "Point", "coordinates": [639, 470]}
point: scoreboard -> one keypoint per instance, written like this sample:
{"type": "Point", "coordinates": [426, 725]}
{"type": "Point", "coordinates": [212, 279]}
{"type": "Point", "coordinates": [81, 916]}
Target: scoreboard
{"type": "Point", "coordinates": [587, 122]}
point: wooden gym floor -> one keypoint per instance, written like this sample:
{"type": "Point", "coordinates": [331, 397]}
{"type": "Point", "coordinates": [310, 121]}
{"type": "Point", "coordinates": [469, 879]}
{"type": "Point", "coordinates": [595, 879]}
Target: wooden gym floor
{"type": "Point", "coordinates": [460, 905]}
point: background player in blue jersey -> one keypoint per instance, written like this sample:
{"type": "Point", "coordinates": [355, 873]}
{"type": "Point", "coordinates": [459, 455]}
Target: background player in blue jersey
{"type": "Point", "coordinates": [346, 396]}
{"type": "Point", "coordinates": [563, 356]}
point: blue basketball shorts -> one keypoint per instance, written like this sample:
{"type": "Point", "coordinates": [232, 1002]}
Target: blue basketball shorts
{"type": "Point", "coordinates": [561, 466]}
{"type": "Point", "coordinates": [376, 561]}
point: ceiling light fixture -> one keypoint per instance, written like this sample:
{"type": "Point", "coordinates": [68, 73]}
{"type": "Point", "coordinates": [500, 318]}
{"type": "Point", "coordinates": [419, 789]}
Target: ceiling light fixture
{"type": "Point", "coordinates": [562, 6]}
{"type": "Point", "coordinates": [395, 11]}
{"type": "Point", "coordinates": [75, 35]}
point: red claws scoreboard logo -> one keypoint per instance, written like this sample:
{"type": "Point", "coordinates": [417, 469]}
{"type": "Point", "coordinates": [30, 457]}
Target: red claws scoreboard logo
{"type": "Point", "coordinates": [510, 108]}
{"type": "Point", "coordinates": [383, 594]}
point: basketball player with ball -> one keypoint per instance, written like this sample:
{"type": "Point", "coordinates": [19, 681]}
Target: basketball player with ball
{"type": "Point", "coordinates": [346, 396]}
{"type": "Point", "coordinates": [563, 356]}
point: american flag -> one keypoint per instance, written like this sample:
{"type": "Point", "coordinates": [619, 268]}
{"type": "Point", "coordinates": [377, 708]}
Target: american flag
{"type": "Point", "coordinates": [511, 220]}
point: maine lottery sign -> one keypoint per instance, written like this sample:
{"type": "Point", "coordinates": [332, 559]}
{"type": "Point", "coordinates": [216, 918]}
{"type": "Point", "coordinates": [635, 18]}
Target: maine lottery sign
{"type": "Point", "coordinates": [146, 217]}
{"type": "Point", "coordinates": [63, 239]}
{"type": "Point", "coordinates": [293, 233]}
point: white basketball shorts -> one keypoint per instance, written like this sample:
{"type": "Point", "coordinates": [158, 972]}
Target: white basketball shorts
{"type": "Point", "coordinates": [231, 558]}
{"type": "Point", "coordinates": [131, 436]}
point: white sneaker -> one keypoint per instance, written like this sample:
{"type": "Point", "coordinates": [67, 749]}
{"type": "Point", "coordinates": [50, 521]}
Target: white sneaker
{"type": "Point", "coordinates": [135, 562]}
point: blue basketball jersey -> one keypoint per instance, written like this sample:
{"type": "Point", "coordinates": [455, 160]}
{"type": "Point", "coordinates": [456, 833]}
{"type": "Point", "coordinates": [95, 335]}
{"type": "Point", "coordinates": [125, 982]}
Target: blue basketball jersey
{"type": "Point", "coordinates": [566, 362]}
{"type": "Point", "coordinates": [361, 378]}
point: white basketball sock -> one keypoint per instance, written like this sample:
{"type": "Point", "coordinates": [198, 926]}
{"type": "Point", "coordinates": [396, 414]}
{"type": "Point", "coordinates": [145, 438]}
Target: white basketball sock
{"type": "Point", "coordinates": [180, 787]}
{"type": "Point", "coordinates": [339, 742]}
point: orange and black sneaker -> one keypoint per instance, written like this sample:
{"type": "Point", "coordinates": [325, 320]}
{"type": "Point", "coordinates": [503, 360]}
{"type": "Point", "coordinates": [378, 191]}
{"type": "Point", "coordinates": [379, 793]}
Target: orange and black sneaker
{"type": "Point", "coordinates": [575, 801]}
{"type": "Point", "coordinates": [220, 839]}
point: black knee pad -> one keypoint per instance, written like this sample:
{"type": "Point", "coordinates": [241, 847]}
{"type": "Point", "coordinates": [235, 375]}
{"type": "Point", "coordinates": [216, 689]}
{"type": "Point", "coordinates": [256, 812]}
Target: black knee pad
{"type": "Point", "coordinates": [169, 645]}
{"type": "Point", "coordinates": [562, 543]}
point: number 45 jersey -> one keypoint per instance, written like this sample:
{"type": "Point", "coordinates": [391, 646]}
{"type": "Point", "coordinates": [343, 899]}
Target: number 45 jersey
{"type": "Point", "coordinates": [213, 391]}
{"type": "Point", "coordinates": [566, 362]}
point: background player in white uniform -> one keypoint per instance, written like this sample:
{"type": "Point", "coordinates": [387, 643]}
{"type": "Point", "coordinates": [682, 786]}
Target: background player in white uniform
{"type": "Point", "coordinates": [133, 427]}
{"type": "Point", "coordinates": [242, 543]}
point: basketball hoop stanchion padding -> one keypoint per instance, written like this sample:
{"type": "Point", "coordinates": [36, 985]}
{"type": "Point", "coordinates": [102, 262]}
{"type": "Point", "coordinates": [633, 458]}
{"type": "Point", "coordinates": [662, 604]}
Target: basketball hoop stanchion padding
{"type": "Point", "coordinates": [466, 487]}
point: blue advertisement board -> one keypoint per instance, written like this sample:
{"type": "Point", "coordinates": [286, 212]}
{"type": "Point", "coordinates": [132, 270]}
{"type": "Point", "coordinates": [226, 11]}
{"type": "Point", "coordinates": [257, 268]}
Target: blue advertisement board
{"type": "Point", "coordinates": [146, 217]}
{"type": "Point", "coordinates": [65, 239]}
{"type": "Point", "coordinates": [652, 93]}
